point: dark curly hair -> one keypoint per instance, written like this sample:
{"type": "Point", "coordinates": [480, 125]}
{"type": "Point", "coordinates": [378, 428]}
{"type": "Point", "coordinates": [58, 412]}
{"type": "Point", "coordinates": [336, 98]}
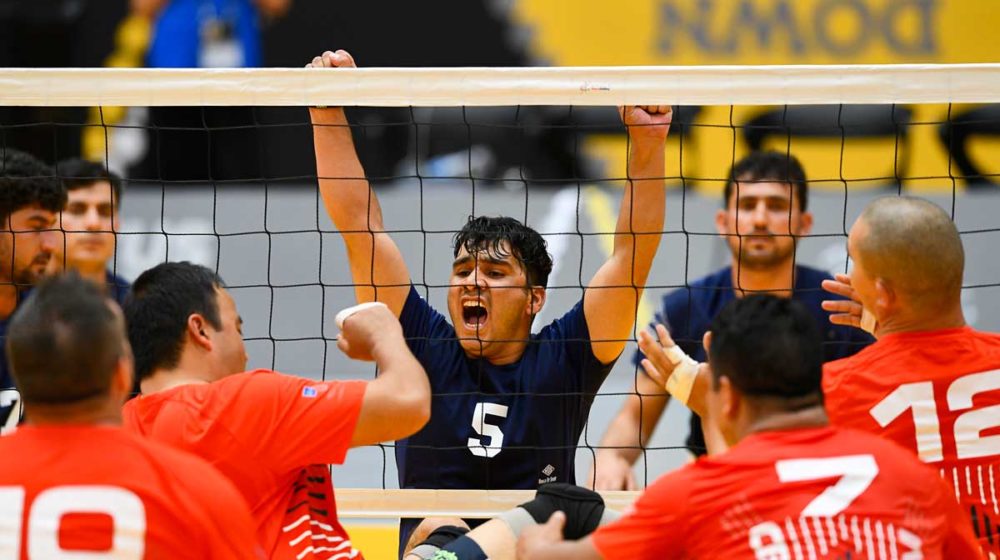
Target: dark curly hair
{"type": "Point", "coordinates": [488, 234]}
{"type": "Point", "coordinates": [768, 166]}
{"type": "Point", "coordinates": [26, 181]}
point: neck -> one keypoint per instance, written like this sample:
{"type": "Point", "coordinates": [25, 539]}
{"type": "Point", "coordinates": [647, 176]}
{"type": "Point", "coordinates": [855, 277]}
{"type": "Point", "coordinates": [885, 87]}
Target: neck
{"type": "Point", "coordinates": [192, 368]}
{"type": "Point", "coordinates": [90, 271]}
{"type": "Point", "coordinates": [810, 417]}
{"type": "Point", "coordinates": [8, 300]}
{"type": "Point", "coordinates": [777, 280]}
{"type": "Point", "coordinates": [503, 353]}
{"type": "Point", "coordinates": [100, 411]}
{"type": "Point", "coordinates": [952, 318]}
{"type": "Point", "coordinates": [161, 381]}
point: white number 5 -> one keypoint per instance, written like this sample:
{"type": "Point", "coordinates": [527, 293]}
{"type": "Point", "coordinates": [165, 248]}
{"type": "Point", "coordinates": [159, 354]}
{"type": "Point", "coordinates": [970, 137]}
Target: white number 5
{"type": "Point", "coordinates": [856, 474]}
{"type": "Point", "coordinates": [491, 431]}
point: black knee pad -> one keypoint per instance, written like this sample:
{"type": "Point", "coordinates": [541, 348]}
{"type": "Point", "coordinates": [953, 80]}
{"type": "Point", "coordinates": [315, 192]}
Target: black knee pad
{"type": "Point", "coordinates": [583, 507]}
{"type": "Point", "coordinates": [444, 535]}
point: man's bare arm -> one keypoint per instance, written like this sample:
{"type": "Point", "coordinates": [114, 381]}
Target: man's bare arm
{"type": "Point", "coordinates": [628, 432]}
{"type": "Point", "coordinates": [377, 265]}
{"type": "Point", "coordinates": [613, 295]}
{"type": "Point", "coordinates": [397, 403]}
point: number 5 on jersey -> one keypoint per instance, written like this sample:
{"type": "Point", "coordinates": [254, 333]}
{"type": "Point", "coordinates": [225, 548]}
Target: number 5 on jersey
{"type": "Point", "coordinates": [478, 446]}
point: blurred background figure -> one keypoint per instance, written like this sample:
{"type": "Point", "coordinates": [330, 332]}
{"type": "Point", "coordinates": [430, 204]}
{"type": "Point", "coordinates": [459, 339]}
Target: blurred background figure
{"type": "Point", "coordinates": [204, 144]}
{"type": "Point", "coordinates": [90, 220]}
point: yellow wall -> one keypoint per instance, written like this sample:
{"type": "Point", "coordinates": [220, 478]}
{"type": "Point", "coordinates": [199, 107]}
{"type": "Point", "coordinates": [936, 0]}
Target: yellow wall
{"type": "Point", "coordinates": [589, 32]}
{"type": "Point", "coordinates": [665, 32]}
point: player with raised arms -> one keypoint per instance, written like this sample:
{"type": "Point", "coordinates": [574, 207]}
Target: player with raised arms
{"type": "Point", "coordinates": [791, 485]}
{"type": "Point", "coordinates": [509, 406]}
{"type": "Point", "coordinates": [930, 382]}
{"type": "Point", "coordinates": [74, 483]}
{"type": "Point", "coordinates": [273, 435]}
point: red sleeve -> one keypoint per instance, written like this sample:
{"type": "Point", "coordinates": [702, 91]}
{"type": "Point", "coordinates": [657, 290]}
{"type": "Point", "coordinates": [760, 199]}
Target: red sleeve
{"type": "Point", "coordinates": [654, 527]}
{"type": "Point", "coordinates": [293, 421]}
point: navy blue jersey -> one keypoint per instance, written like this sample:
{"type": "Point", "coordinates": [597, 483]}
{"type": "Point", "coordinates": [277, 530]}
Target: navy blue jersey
{"type": "Point", "coordinates": [688, 312]}
{"type": "Point", "coordinates": [118, 287]}
{"type": "Point", "coordinates": [9, 397]}
{"type": "Point", "coordinates": [510, 426]}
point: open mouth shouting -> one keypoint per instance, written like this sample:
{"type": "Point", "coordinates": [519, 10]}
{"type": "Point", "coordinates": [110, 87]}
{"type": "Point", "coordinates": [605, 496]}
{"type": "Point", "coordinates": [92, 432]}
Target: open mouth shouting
{"type": "Point", "coordinates": [474, 314]}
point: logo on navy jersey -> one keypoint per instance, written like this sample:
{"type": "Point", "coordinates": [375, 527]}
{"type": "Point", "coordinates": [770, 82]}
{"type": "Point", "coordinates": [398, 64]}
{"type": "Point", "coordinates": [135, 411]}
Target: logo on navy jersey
{"type": "Point", "coordinates": [547, 474]}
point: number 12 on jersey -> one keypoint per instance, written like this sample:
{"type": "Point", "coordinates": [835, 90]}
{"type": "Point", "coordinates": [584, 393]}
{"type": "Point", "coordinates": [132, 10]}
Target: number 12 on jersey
{"type": "Point", "coordinates": [918, 398]}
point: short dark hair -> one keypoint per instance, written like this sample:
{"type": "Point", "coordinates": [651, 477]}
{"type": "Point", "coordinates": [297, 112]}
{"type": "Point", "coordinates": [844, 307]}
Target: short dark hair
{"type": "Point", "coordinates": [769, 166]}
{"type": "Point", "coordinates": [488, 234]}
{"type": "Point", "coordinates": [64, 341]}
{"type": "Point", "coordinates": [78, 173]}
{"type": "Point", "coordinates": [26, 181]}
{"type": "Point", "coordinates": [768, 347]}
{"type": "Point", "coordinates": [158, 307]}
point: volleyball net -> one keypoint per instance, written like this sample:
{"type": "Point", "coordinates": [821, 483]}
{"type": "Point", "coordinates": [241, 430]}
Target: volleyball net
{"type": "Point", "coordinates": [220, 171]}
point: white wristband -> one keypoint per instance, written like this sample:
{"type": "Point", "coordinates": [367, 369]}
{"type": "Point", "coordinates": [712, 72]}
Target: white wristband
{"type": "Point", "coordinates": [345, 313]}
{"type": "Point", "coordinates": [681, 380]}
{"type": "Point", "coordinates": [868, 321]}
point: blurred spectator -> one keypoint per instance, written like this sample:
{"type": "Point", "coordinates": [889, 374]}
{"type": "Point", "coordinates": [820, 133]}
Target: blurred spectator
{"type": "Point", "coordinates": [30, 199]}
{"type": "Point", "coordinates": [90, 220]}
{"type": "Point", "coordinates": [204, 143]}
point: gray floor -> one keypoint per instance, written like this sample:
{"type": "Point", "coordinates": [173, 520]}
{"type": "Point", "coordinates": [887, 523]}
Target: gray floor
{"type": "Point", "coordinates": [287, 269]}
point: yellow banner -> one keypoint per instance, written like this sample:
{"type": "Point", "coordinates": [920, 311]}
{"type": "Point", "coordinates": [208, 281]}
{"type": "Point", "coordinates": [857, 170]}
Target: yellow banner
{"type": "Point", "coordinates": [749, 32]}
{"type": "Point", "coordinates": [600, 32]}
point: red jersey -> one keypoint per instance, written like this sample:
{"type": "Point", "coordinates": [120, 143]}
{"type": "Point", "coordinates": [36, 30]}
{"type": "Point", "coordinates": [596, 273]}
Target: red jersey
{"type": "Point", "coordinates": [938, 394]}
{"type": "Point", "coordinates": [97, 491]}
{"type": "Point", "coordinates": [819, 493]}
{"type": "Point", "coordinates": [273, 436]}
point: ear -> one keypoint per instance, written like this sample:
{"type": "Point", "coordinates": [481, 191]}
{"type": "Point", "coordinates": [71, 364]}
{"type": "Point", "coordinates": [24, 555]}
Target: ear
{"type": "Point", "coordinates": [885, 298]}
{"type": "Point", "coordinates": [720, 221]}
{"type": "Point", "coordinates": [536, 300]}
{"type": "Point", "coordinates": [122, 379]}
{"type": "Point", "coordinates": [805, 223]}
{"type": "Point", "coordinates": [197, 330]}
{"type": "Point", "coordinates": [730, 402]}
{"type": "Point", "coordinates": [706, 341]}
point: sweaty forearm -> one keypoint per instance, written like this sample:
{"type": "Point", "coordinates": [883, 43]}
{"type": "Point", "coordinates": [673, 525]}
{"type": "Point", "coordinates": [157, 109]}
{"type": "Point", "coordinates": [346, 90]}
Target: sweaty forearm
{"type": "Point", "coordinates": [348, 199]}
{"type": "Point", "coordinates": [641, 217]}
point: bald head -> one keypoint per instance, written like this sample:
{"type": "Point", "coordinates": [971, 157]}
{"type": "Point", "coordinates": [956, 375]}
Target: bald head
{"type": "Point", "coordinates": [914, 246]}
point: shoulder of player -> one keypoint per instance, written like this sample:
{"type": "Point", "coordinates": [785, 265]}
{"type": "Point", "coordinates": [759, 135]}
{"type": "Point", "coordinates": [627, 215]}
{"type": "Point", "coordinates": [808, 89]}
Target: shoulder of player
{"type": "Point", "coordinates": [699, 293]}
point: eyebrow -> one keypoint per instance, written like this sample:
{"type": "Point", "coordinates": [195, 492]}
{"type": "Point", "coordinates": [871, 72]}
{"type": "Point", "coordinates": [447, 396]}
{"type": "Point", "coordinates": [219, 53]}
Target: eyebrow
{"type": "Point", "coordinates": [469, 258]}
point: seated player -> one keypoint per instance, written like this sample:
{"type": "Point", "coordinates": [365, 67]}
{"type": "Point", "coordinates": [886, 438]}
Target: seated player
{"type": "Point", "coordinates": [509, 405]}
{"type": "Point", "coordinates": [90, 220]}
{"type": "Point", "coordinates": [764, 213]}
{"type": "Point", "coordinates": [30, 201]}
{"type": "Point", "coordinates": [929, 373]}
{"type": "Point", "coordinates": [791, 486]}
{"type": "Point", "coordinates": [931, 383]}
{"type": "Point", "coordinates": [74, 484]}
{"type": "Point", "coordinates": [273, 435]}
